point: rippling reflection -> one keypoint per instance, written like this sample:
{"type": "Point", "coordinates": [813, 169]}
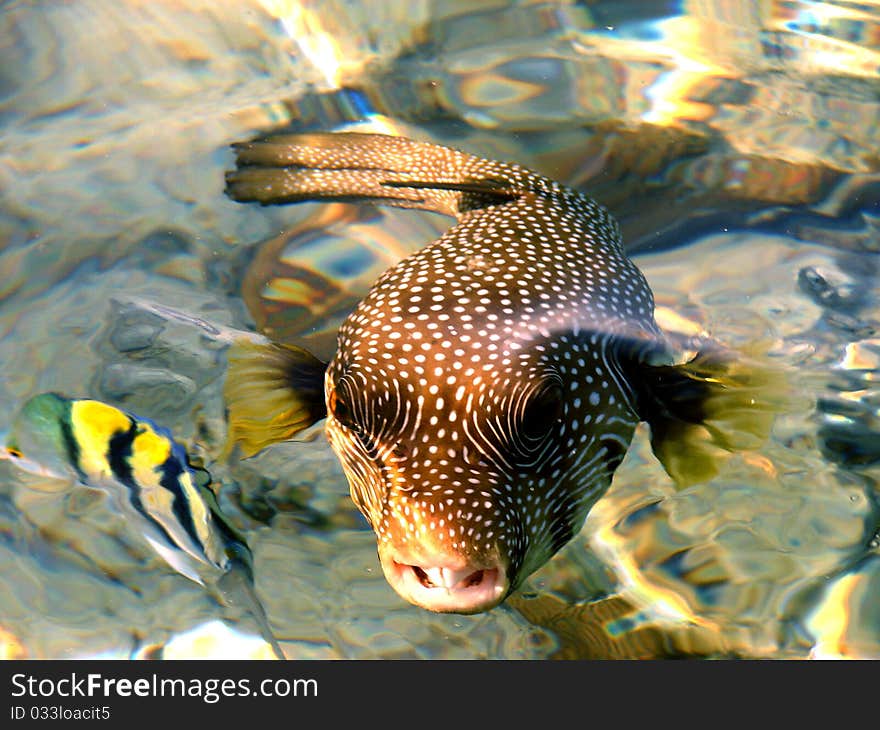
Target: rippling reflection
{"type": "Point", "coordinates": [845, 619]}
{"type": "Point", "coordinates": [300, 286]}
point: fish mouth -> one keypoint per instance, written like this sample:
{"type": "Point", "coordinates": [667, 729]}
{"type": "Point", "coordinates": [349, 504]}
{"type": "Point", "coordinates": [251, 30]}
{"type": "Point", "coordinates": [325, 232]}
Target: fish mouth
{"type": "Point", "coordinates": [446, 584]}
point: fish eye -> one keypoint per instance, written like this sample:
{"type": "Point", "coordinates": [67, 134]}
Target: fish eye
{"type": "Point", "coordinates": [339, 406]}
{"type": "Point", "coordinates": [614, 453]}
{"type": "Point", "coordinates": [542, 411]}
{"type": "Point", "coordinates": [340, 409]}
{"type": "Point", "coordinates": [342, 413]}
{"type": "Point", "coordinates": [14, 453]}
{"type": "Point", "coordinates": [400, 450]}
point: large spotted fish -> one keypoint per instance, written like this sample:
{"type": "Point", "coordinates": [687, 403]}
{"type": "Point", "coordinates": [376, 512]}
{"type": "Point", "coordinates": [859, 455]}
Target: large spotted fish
{"type": "Point", "coordinates": [149, 477]}
{"type": "Point", "coordinates": [488, 386]}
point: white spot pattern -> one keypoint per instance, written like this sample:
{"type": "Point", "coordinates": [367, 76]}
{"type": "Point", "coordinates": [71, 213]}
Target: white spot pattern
{"type": "Point", "coordinates": [476, 399]}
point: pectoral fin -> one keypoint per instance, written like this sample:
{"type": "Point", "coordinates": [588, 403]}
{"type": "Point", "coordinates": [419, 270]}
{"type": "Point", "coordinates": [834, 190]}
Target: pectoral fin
{"type": "Point", "coordinates": [702, 411]}
{"type": "Point", "coordinates": [272, 392]}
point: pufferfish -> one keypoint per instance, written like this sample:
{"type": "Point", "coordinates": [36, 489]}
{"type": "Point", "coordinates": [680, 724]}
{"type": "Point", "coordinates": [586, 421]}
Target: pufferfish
{"type": "Point", "coordinates": [149, 477]}
{"type": "Point", "coordinates": [486, 389]}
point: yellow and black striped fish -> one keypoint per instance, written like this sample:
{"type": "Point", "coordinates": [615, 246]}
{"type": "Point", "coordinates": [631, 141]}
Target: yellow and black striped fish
{"type": "Point", "coordinates": [149, 475]}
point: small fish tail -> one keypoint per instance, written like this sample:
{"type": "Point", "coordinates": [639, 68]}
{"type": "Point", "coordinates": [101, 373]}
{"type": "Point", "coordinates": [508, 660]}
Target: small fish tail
{"type": "Point", "coordinates": [702, 411]}
{"type": "Point", "coordinates": [383, 169]}
{"type": "Point", "coordinates": [272, 392]}
{"type": "Point", "coordinates": [237, 591]}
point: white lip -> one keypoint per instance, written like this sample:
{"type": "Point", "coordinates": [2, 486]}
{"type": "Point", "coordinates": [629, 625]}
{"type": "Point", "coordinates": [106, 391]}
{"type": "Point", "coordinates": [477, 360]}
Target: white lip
{"type": "Point", "coordinates": [451, 591]}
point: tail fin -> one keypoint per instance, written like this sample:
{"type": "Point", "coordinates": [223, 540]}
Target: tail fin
{"type": "Point", "coordinates": [272, 392]}
{"type": "Point", "coordinates": [380, 168]}
{"type": "Point", "coordinates": [236, 588]}
{"type": "Point", "coordinates": [703, 410]}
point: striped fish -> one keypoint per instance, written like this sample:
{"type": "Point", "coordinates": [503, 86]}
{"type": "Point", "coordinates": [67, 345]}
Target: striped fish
{"type": "Point", "coordinates": [485, 390]}
{"type": "Point", "coordinates": [150, 478]}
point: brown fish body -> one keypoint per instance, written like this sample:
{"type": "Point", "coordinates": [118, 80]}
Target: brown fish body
{"type": "Point", "coordinates": [484, 412]}
{"type": "Point", "coordinates": [487, 387]}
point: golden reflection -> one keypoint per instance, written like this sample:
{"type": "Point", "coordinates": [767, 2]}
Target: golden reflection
{"type": "Point", "coordinates": [313, 32]}
{"type": "Point", "coordinates": [215, 640]}
{"type": "Point", "coordinates": [761, 462]}
{"type": "Point", "coordinates": [672, 321]}
{"type": "Point", "coordinates": [301, 284]}
{"type": "Point", "coordinates": [817, 23]}
{"type": "Point", "coordinates": [830, 621]}
{"type": "Point", "coordinates": [10, 646]}
{"type": "Point", "coordinates": [661, 602]}
{"type": "Point", "coordinates": [306, 28]}
{"type": "Point", "coordinates": [671, 102]}
{"type": "Point", "coordinates": [380, 124]}
{"type": "Point", "coordinates": [684, 51]}
{"type": "Point", "coordinates": [614, 628]}
{"type": "Point", "coordinates": [492, 89]}
{"type": "Point", "coordinates": [862, 355]}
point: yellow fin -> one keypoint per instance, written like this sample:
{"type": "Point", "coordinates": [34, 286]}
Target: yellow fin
{"type": "Point", "coordinates": [272, 392]}
{"type": "Point", "coordinates": [718, 403]}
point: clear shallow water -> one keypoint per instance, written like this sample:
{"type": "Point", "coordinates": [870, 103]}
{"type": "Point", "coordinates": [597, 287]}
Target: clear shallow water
{"type": "Point", "coordinates": [737, 146]}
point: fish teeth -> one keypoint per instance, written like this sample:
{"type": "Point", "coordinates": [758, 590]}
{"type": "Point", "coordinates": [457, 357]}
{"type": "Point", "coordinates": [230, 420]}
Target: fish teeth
{"type": "Point", "coordinates": [436, 576]}
{"type": "Point", "coordinates": [447, 577]}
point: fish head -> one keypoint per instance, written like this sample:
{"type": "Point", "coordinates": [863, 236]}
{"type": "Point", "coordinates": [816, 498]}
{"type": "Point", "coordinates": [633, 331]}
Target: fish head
{"type": "Point", "coordinates": [36, 441]}
{"type": "Point", "coordinates": [462, 466]}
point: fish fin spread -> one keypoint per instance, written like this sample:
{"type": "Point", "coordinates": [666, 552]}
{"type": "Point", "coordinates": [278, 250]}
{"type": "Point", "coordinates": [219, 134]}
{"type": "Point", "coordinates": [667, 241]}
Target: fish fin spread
{"type": "Point", "coordinates": [702, 411]}
{"type": "Point", "coordinates": [379, 168]}
{"type": "Point", "coordinates": [272, 392]}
